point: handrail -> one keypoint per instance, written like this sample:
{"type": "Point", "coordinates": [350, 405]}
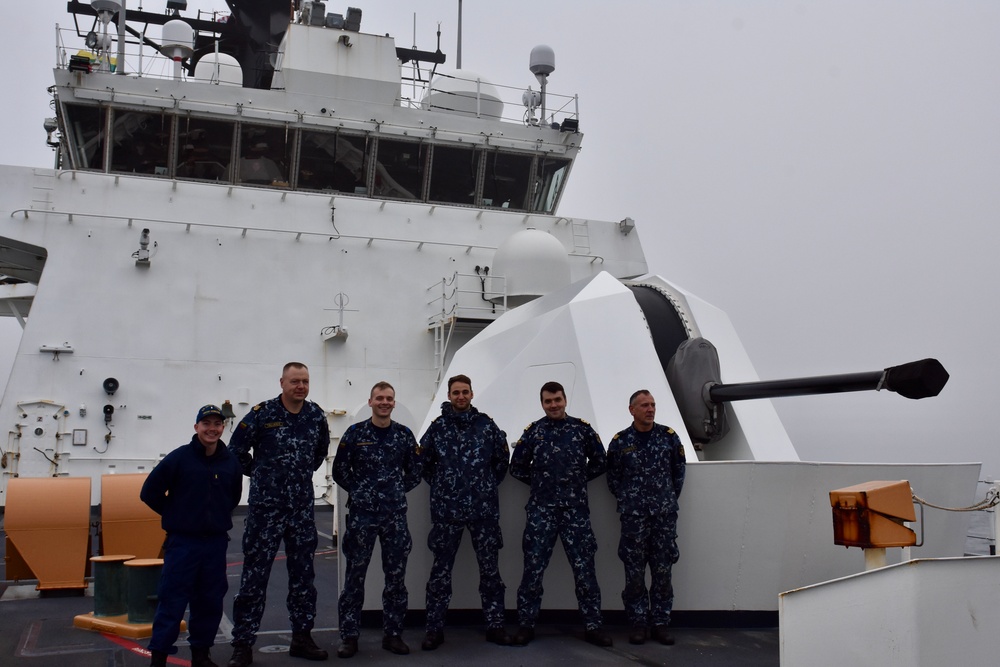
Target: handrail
{"type": "Point", "coordinates": [244, 229]}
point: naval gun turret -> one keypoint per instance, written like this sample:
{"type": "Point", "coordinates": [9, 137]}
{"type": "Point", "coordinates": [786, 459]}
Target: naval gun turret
{"type": "Point", "coordinates": [694, 377]}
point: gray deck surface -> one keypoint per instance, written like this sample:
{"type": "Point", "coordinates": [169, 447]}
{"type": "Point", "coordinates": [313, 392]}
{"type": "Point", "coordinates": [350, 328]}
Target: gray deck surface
{"type": "Point", "coordinates": [38, 631]}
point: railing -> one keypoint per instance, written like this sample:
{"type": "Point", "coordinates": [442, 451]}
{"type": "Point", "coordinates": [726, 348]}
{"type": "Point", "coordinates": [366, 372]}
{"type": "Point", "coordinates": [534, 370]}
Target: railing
{"type": "Point", "coordinates": [520, 104]}
{"type": "Point", "coordinates": [465, 297]}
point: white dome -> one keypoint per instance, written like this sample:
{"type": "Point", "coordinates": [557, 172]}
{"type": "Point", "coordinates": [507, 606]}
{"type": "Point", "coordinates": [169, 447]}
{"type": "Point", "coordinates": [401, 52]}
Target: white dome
{"type": "Point", "coordinates": [455, 91]}
{"type": "Point", "coordinates": [178, 38]}
{"type": "Point", "coordinates": [533, 263]}
{"type": "Point", "coordinates": [229, 70]}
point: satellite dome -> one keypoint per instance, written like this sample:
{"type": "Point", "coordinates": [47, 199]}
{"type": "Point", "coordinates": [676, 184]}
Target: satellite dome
{"type": "Point", "coordinates": [542, 60]}
{"type": "Point", "coordinates": [456, 91]}
{"type": "Point", "coordinates": [533, 263]}
{"type": "Point", "coordinates": [228, 70]}
{"type": "Point", "coordinates": [178, 39]}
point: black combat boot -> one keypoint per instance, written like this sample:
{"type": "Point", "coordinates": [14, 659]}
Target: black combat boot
{"type": "Point", "coordinates": [395, 644]}
{"type": "Point", "coordinates": [432, 640]}
{"type": "Point", "coordinates": [498, 636]}
{"type": "Point", "coordinates": [523, 635]}
{"type": "Point", "coordinates": [598, 637]}
{"type": "Point", "coordinates": [303, 646]}
{"type": "Point", "coordinates": [242, 656]}
{"type": "Point", "coordinates": [157, 659]}
{"type": "Point", "coordinates": [200, 657]}
{"type": "Point", "coordinates": [661, 635]}
{"type": "Point", "coordinates": [348, 647]}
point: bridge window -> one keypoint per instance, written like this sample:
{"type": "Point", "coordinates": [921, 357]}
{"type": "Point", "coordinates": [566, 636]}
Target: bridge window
{"type": "Point", "coordinates": [140, 142]}
{"type": "Point", "coordinates": [85, 125]}
{"type": "Point", "coordinates": [399, 170]}
{"type": "Point", "coordinates": [332, 161]}
{"type": "Point", "coordinates": [453, 175]}
{"type": "Point", "coordinates": [265, 154]}
{"type": "Point", "coordinates": [205, 149]}
{"type": "Point", "coordinates": [550, 178]}
{"type": "Point", "coordinates": [505, 184]}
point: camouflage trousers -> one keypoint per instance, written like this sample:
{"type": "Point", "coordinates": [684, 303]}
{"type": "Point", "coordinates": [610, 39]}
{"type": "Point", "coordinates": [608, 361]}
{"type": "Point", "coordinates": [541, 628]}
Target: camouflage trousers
{"type": "Point", "coordinates": [264, 529]}
{"type": "Point", "coordinates": [443, 541]}
{"type": "Point", "coordinates": [356, 546]}
{"type": "Point", "coordinates": [572, 526]}
{"type": "Point", "coordinates": [652, 541]}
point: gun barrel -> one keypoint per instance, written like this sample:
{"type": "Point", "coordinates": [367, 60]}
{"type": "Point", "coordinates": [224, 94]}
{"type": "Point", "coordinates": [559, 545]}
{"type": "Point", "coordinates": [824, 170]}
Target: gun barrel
{"type": "Point", "coordinates": [916, 379]}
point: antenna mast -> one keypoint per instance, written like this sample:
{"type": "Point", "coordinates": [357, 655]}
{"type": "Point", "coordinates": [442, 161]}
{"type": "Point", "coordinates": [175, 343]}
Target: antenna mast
{"type": "Point", "coordinates": [458, 60]}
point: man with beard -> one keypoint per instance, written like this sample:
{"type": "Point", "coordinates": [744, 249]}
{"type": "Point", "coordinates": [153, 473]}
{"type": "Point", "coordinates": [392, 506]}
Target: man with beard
{"type": "Point", "coordinates": [556, 456]}
{"type": "Point", "coordinates": [465, 457]}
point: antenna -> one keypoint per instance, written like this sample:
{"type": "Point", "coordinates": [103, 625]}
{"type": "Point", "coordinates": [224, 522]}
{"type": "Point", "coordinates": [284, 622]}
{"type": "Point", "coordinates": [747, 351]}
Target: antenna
{"type": "Point", "coordinates": [542, 62]}
{"type": "Point", "coordinates": [458, 59]}
{"type": "Point", "coordinates": [106, 9]}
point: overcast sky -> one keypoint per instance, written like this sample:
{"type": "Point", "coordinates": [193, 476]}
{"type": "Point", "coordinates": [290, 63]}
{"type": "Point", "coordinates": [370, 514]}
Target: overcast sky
{"type": "Point", "coordinates": [826, 172]}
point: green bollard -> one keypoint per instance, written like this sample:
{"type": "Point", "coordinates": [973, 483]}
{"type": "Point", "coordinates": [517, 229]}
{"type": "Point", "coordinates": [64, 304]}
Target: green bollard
{"type": "Point", "coordinates": [110, 585]}
{"type": "Point", "coordinates": [143, 579]}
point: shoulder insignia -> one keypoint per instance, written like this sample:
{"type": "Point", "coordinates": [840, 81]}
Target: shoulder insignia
{"type": "Point", "coordinates": [615, 436]}
{"type": "Point", "coordinates": [670, 430]}
{"type": "Point", "coordinates": [258, 407]}
{"type": "Point", "coordinates": [585, 422]}
{"type": "Point", "coordinates": [529, 426]}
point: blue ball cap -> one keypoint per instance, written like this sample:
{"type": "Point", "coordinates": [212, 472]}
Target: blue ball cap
{"type": "Point", "coordinates": [209, 411]}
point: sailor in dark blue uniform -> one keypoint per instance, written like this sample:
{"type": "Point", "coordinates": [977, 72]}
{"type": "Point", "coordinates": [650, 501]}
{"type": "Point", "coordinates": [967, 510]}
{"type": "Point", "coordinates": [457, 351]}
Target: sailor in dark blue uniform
{"type": "Point", "coordinates": [195, 489]}
{"type": "Point", "coordinates": [280, 443]}
{"type": "Point", "coordinates": [377, 463]}
{"type": "Point", "coordinates": [557, 455]}
{"type": "Point", "coordinates": [465, 457]}
{"type": "Point", "coordinates": [646, 473]}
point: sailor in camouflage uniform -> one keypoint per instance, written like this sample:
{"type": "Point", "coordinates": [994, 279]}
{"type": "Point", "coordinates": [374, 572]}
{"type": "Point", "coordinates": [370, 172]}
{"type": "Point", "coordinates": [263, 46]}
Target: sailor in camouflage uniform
{"type": "Point", "coordinates": [557, 455]}
{"type": "Point", "coordinates": [465, 457]}
{"type": "Point", "coordinates": [377, 463]}
{"type": "Point", "coordinates": [645, 473]}
{"type": "Point", "coordinates": [280, 443]}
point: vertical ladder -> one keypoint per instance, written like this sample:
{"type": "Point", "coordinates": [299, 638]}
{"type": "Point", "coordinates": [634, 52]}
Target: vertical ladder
{"type": "Point", "coordinates": [581, 237]}
{"type": "Point", "coordinates": [42, 189]}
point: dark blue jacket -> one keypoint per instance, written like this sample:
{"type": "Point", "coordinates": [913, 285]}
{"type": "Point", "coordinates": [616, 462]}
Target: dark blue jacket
{"type": "Point", "coordinates": [557, 457]}
{"type": "Point", "coordinates": [279, 451]}
{"type": "Point", "coordinates": [465, 457]}
{"type": "Point", "coordinates": [646, 477]}
{"type": "Point", "coordinates": [193, 493]}
{"type": "Point", "coordinates": [377, 475]}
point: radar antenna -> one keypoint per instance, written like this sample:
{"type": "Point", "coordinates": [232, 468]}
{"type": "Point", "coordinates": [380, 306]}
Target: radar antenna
{"type": "Point", "coordinates": [542, 63]}
{"type": "Point", "coordinates": [106, 9]}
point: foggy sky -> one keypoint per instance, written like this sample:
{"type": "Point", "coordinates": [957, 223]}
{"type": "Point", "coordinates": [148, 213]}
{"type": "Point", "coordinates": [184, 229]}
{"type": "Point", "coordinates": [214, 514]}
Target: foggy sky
{"type": "Point", "coordinates": [825, 172]}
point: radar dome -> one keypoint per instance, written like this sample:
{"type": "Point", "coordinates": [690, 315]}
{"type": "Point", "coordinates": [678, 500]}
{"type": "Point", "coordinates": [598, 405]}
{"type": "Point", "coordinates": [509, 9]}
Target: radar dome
{"type": "Point", "coordinates": [178, 39]}
{"type": "Point", "coordinates": [462, 91]}
{"type": "Point", "coordinates": [219, 68]}
{"type": "Point", "coordinates": [533, 263]}
{"type": "Point", "coordinates": [542, 60]}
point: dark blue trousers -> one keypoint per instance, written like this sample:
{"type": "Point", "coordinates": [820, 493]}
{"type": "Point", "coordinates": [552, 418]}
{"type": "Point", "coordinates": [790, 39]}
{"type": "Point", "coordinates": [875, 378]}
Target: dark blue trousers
{"type": "Point", "coordinates": [194, 574]}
